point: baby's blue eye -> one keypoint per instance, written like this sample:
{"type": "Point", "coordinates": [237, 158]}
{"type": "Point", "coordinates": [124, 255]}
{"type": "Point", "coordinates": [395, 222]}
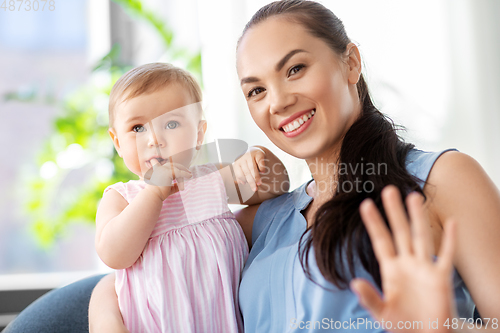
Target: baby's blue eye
{"type": "Point", "coordinates": [172, 124]}
{"type": "Point", "coordinates": [138, 128]}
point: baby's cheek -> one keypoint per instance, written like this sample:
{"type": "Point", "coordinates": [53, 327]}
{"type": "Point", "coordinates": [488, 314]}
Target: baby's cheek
{"type": "Point", "coordinates": [133, 163]}
{"type": "Point", "coordinates": [140, 143]}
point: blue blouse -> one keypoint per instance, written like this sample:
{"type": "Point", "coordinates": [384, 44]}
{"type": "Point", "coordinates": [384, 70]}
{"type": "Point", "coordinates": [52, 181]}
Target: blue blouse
{"type": "Point", "coordinates": [276, 295]}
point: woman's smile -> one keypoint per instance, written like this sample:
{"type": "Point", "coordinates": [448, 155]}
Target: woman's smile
{"type": "Point", "coordinates": [297, 124]}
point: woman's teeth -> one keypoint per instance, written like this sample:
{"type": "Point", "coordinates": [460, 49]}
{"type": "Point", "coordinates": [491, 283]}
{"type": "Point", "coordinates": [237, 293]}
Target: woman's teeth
{"type": "Point", "coordinates": [298, 122]}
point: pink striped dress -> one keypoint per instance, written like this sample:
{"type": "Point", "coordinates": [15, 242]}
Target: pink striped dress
{"type": "Point", "coordinates": [187, 277]}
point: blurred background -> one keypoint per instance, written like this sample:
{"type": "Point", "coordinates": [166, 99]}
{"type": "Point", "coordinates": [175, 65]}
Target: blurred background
{"type": "Point", "coordinates": [432, 66]}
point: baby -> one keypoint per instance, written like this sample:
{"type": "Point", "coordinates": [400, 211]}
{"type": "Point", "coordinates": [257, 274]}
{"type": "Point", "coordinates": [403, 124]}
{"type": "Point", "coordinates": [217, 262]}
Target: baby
{"type": "Point", "coordinates": [177, 248]}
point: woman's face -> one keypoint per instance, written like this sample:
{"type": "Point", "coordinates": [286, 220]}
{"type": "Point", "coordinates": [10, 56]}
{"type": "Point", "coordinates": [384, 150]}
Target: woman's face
{"type": "Point", "coordinates": [298, 90]}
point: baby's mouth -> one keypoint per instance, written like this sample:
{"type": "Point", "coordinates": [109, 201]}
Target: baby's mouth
{"type": "Point", "coordinates": [159, 159]}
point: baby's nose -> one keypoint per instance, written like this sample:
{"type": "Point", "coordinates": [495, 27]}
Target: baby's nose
{"type": "Point", "coordinates": [155, 139]}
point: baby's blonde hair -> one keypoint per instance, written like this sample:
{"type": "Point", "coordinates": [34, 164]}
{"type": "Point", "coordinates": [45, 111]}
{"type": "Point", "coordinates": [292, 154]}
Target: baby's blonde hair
{"type": "Point", "coordinates": [148, 79]}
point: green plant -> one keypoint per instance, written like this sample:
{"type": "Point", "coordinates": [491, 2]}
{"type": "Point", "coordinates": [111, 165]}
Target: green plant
{"type": "Point", "coordinates": [80, 142]}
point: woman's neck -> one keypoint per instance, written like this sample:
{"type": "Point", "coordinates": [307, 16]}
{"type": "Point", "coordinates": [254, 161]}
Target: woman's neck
{"type": "Point", "coordinates": [325, 178]}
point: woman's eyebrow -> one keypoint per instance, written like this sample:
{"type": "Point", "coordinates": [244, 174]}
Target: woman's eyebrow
{"type": "Point", "coordinates": [283, 61]}
{"type": "Point", "coordinates": [278, 66]}
{"type": "Point", "coordinates": [249, 79]}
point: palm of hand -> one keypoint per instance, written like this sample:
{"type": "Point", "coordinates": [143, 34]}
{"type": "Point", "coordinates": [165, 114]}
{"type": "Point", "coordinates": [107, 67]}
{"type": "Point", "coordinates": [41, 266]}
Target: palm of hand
{"type": "Point", "coordinates": [417, 290]}
{"type": "Point", "coordinates": [409, 283]}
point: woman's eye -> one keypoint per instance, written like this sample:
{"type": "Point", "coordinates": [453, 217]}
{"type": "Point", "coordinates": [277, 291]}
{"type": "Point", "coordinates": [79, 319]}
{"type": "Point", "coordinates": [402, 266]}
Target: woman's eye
{"type": "Point", "coordinates": [172, 124]}
{"type": "Point", "coordinates": [138, 128]}
{"type": "Point", "coordinates": [255, 92]}
{"type": "Point", "coordinates": [295, 69]}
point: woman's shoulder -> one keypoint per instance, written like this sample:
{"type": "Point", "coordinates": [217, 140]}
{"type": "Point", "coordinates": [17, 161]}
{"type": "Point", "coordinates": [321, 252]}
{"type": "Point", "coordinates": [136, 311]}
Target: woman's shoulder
{"type": "Point", "coordinates": [456, 176]}
{"type": "Point", "coordinates": [445, 168]}
{"type": "Point", "coordinates": [419, 163]}
{"type": "Point", "coordinates": [458, 187]}
{"type": "Point", "coordinates": [455, 163]}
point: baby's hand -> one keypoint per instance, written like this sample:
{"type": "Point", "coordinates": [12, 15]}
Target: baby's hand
{"type": "Point", "coordinates": [160, 177]}
{"type": "Point", "coordinates": [247, 168]}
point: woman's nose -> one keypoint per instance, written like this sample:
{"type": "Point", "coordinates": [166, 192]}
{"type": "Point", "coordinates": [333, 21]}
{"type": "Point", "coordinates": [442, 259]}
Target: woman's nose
{"type": "Point", "coordinates": [280, 100]}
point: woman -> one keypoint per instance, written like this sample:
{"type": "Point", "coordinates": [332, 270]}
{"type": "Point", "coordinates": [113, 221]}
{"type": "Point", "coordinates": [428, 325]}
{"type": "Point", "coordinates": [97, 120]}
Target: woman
{"type": "Point", "coordinates": [302, 79]}
{"type": "Point", "coordinates": [294, 57]}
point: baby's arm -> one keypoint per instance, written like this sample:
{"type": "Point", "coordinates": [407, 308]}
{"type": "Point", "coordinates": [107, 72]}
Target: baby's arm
{"type": "Point", "coordinates": [104, 314]}
{"type": "Point", "coordinates": [257, 175]}
{"type": "Point", "coordinates": [123, 229]}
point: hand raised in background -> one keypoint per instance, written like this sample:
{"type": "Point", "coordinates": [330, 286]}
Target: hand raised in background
{"type": "Point", "coordinates": [416, 289]}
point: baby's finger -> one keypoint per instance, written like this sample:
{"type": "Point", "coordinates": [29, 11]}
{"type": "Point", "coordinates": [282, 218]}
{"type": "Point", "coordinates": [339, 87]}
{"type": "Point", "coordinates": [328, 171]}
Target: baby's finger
{"type": "Point", "coordinates": [178, 170]}
{"type": "Point", "coordinates": [252, 166]}
{"type": "Point", "coordinates": [174, 189]}
{"type": "Point", "coordinates": [179, 173]}
{"type": "Point", "coordinates": [238, 173]}
{"type": "Point", "coordinates": [422, 244]}
{"type": "Point", "coordinates": [380, 236]}
{"type": "Point", "coordinates": [393, 205]}
{"type": "Point", "coordinates": [154, 163]}
{"type": "Point", "coordinates": [250, 179]}
{"type": "Point", "coordinates": [158, 177]}
{"type": "Point", "coordinates": [180, 183]}
{"type": "Point", "coordinates": [261, 162]}
{"type": "Point", "coordinates": [445, 256]}
{"type": "Point", "coordinates": [260, 159]}
{"type": "Point", "coordinates": [179, 166]}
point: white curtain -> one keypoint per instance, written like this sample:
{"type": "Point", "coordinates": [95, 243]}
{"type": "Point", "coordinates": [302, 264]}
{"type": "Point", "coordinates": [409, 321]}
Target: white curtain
{"type": "Point", "coordinates": [473, 122]}
{"type": "Point", "coordinates": [432, 65]}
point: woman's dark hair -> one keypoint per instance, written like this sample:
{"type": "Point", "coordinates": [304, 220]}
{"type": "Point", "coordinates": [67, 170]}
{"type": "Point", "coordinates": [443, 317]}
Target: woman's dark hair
{"type": "Point", "coordinates": [338, 234]}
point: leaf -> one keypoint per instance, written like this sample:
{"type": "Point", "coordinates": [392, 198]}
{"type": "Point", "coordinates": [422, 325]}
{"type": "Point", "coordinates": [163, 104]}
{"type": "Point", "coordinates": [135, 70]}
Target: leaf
{"type": "Point", "coordinates": [109, 60]}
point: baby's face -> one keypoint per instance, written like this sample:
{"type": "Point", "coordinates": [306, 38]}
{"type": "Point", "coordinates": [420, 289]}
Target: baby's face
{"type": "Point", "coordinates": [159, 125]}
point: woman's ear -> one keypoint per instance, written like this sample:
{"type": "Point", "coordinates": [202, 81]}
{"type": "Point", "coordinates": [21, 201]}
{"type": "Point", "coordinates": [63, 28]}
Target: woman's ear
{"type": "Point", "coordinates": [116, 142]}
{"type": "Point", "coordinates": [354, 63]}
{"type": "Point", "coordinates": [202, 129]}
